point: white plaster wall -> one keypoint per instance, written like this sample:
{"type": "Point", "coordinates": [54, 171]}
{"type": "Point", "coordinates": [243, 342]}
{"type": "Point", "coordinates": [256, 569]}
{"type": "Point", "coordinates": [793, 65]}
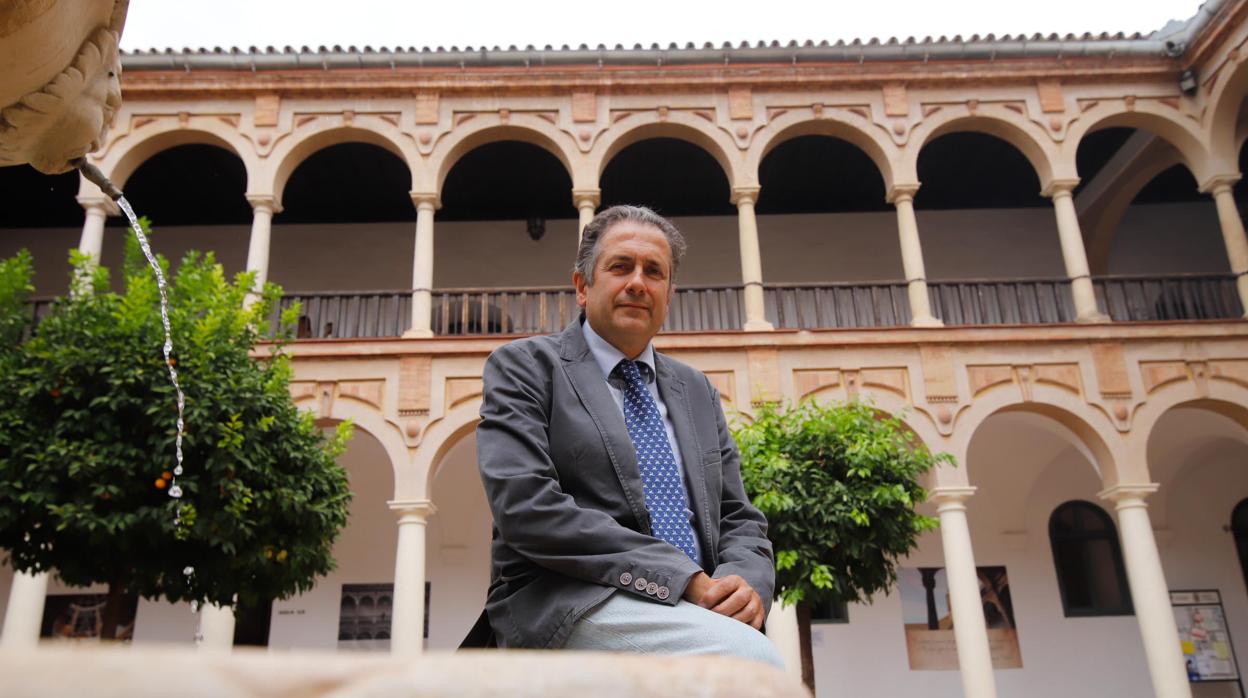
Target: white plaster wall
{"type": "Point", "coordinates": [796, 248]}
{"type": "Point", "coordinates": [458, 553]}
{"type": "Point", "coordinates": [365, 553]}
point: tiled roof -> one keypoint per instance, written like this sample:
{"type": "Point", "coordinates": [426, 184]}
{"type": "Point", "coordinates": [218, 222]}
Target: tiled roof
{"type": "Point", "coordinates": [1171, 41]}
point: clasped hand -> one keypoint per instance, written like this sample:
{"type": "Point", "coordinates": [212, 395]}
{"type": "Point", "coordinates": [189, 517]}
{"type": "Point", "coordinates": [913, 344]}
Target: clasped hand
{"type": "Point", "coordinates": [730, 596]}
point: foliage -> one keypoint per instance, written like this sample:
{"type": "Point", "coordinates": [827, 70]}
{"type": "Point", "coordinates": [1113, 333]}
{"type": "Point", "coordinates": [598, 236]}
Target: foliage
{"type": "Point", "coordinates": [87, 427]}
{"type": "Point", "coordinates": [839, 486]}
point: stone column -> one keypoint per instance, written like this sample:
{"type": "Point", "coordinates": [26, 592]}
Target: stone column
{"type": "Point", "coordinates": [902, 197]}
{"type": "Point", "coordinates": [1074, 255]}
{"type": "Point", "coordinates": [98, 209]}
{"type": "Point", "coordinates": [751, 259]}
{"type": "Point", "coordinates": [24, 616]}
{"type": "Point", "coordinates": [1232, 233]}
{"type": "Point", "coordinates": [969, 628]}
{"type": "Point", "coordinates": [263, 207]}
{"type": "Point", "coordinates": [784, 632]}
{"type": "Point", "coordinates": [586, 202]}
{"type": "Point", "coordinates": [422, 266]}
{"type": "Point", "coordinates": [407, 630]}
{"type": "Point", "coordinates": [216, 628]}
{"type": "Point", "coordinates": [1149, 593]}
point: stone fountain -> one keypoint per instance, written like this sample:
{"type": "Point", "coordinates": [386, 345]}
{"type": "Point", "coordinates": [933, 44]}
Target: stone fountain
{"type": "Point", "coordinates": [61, 85]}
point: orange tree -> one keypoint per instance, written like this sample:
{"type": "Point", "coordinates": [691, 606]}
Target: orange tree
{"type": "Point", "coordinates": [87, 426]}
{"type": "Point", "coordinates": [838, 484]}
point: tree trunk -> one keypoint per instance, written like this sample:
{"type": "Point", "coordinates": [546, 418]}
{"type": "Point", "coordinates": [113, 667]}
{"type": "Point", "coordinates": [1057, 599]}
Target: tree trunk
{"type": "Point", "coordinates": [113, 608]}
{"type": "Point", "coordinates": [803, 636]}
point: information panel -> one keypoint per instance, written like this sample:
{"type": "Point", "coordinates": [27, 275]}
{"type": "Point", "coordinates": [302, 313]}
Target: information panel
{"type": "Point", "coordinates": [1202, 631]}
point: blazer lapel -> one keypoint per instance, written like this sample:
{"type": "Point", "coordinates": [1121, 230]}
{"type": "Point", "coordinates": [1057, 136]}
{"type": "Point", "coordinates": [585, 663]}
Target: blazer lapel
{"type": "Point", "coordinates": [585, 376]}
{"type": "Point", "coordinates": [672, 390]}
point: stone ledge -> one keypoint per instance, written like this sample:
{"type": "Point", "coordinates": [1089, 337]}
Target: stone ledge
{"type": "Point", "coordinates": [158, 672]}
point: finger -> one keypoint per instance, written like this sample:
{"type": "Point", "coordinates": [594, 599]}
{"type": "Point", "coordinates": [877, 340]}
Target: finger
{"type": "Point", "coordinates": [734, 603]}
{"type": "Point", "coordinates": [747, 612]}
{"type": "Point", "coordinates": [719, 590]}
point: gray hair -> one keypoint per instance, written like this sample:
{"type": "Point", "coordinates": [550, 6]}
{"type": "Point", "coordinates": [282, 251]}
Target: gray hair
{"type": "Point", "coordinates": [587, 253]}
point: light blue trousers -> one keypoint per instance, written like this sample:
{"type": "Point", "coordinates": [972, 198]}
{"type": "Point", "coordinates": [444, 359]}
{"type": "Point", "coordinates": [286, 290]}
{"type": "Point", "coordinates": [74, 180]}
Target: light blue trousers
{"type": "Point", "coordinates": [624, 623]}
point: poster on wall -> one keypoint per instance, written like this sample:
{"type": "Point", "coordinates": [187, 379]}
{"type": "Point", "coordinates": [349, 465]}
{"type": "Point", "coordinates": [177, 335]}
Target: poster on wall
{"type": "Point", "coordinates": [1203, 634]}
{"type": "Point", "coordinates": [364, 616]}
{"type": "Point", "coordinates": [80, 616]}
{"type": "Point", "coordinates": [930, 644]}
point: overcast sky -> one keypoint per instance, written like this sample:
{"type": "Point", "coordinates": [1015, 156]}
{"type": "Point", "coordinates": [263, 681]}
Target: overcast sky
{"type": "Point", "coordinates": [432, 23]}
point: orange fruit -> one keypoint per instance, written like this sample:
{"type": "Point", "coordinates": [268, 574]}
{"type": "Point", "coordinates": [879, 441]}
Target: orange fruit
{"type": "Point", "coordinates": [166, 475]}
{"type": "Point", "coordinates": [161, 483]}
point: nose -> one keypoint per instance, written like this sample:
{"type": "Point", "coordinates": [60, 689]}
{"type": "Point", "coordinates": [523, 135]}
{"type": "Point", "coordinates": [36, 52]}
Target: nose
{"type": "Point", "coordinates": [636, 282]}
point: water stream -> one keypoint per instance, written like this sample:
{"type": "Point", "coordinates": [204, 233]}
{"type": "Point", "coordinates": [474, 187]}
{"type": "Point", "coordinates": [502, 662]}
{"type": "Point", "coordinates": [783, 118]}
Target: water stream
{"type": "Point", "coordinates": [175, 490]}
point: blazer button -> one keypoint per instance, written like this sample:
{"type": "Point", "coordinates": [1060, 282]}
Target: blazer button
{"type": "Point", "coordinates": [652, 588]}
{"type": "Point", "coordinates": [664, 592]}
{"type": "Point", "coordinates": [626, 578]}
{"type": "Point", "coordinates": [640, 584]}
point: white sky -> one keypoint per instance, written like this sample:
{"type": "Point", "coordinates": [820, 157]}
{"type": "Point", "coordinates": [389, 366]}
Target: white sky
{"type": "Point", "coordinates": [420, 23]}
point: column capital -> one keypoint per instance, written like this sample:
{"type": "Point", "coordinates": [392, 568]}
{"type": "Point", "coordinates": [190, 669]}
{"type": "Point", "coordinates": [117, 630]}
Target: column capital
{"type": "Point", "coordinates": [99, 201]}
{"type": "Point", "coordinates": [951, 497]}
{"type": "Point", "coordinates": [264, 202]}
{"type": "Point", "coordinates": [901, 192]}
{"type": "Point", "coordinates": [1128, 494]}
{"type": "Point", "coordinates": [412, 510]}
{"type": "Point", "coordinates": [1217, 182]}
{"type": "Point", "coordinates": [746, 195]}
{"type": "Point", "coordinates": [423, 198]}
{"type": "Point", "coordinates": [1058, 187]}
{"type": "Point", "coordinates": [586, 197]}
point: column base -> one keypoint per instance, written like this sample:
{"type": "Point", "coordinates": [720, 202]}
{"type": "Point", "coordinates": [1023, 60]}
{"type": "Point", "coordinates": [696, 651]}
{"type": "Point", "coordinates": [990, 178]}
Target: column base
{"type": "Point", "coordinates": [418, 334]}
{"type": "Point", "coordinates": [1093, 319]}
{"type": "Point", "coordinates": [927, 321]}
{"type": "Point", "coordinates": [758, 326]}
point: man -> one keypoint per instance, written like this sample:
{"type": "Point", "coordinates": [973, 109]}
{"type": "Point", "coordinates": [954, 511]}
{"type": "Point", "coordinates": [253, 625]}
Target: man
{"type": "Point", "coordinates": [620, 519]}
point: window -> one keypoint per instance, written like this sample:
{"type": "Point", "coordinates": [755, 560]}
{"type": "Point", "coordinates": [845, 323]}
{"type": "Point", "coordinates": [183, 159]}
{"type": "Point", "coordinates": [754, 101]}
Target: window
{"type": "Point", "coordinates": [1239, 528]}
{"type": "Point", "coordinates": [830, 612]}
{"type": "Point", "coordinates": [1089, 565]}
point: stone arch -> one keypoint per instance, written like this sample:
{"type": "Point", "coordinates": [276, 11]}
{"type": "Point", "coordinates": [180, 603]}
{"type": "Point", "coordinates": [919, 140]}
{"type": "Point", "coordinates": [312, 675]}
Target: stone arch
{"type": "Point", "coordinates": [131, 150]}
{"type": "Point", "coordinates": [369, 419]}
{"type": "Point", "coordinates": [1149, 116]}
{"type": "Point", "coordinates": [847, 126]}
{"type": "Point", "coordinates": [1225, 133]}
{"type": "Point", "coordinates": [1028, 138]}
{"type": "Point", "coordinates": [916, 421]}
{"type": "Point", "coordinates": [440, 437]}
{"type": "Point", "coordinates": [519, 127]}
{"type": "Point", "coordinates": [1100, 224]}
{"type": "Point", "coordinates": [1089, 429]}
{"type": "Point", "coordinates": [319, 134]}
{"type": "Point", "coordinates": [642, 126]}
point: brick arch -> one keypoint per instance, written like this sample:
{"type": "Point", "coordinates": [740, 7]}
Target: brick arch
{"type": "Point", "coordinates": [368, 419]}
{"type": "Point", "coordinates": [1028, 138]}
{"type": "Point", "coordinates": [1158, 120]}
{"type": "Point", "coordinates": [1089, 429]}
{"type": "Point", "coordinates": [638, 127]}
{"type": "Point", "coordinates": [847, 126]}
{"type": "Point", "coordinates": [440, 437]}
{"type": "Point", "coordinates": [129, 151]}
{"type": "Point", "coordinates": [319, 134]}
{"type": "Point", "coordinates": [1227, 99]}
{"type": "Point", "coordinates": [483, 131]}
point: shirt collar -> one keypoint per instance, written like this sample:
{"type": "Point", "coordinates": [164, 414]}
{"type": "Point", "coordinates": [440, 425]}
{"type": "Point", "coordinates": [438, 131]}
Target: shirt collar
{"type": "Point", "coordinates": [608, 357]}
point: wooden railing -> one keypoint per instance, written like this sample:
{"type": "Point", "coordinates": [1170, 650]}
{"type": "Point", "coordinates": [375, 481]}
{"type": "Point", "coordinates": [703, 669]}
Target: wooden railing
{"type": "Point", "coordinates": [988, 302]}
{"type": "Point", "coordinates": [547, 309]}
{"type": "Point", "coordinates": [1172, 297]}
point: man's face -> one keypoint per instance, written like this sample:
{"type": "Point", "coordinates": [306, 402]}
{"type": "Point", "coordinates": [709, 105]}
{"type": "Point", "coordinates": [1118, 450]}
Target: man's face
{"type": "Point", "coordinates": [627, 302]}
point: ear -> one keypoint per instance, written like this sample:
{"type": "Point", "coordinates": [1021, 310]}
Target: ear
{"type": "Point", "coordinates": [582, 288]}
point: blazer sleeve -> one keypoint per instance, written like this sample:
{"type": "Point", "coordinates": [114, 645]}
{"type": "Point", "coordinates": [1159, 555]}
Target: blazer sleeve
{"type": "Point", "coordinates": [533, 515]}
{"type": "Point", "coordinates": [744, 548]}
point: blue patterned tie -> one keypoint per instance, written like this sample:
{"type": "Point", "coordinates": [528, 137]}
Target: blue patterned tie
{"type": "Point", "coordinates": [660, 478]}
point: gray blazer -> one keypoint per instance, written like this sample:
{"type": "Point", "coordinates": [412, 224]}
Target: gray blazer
{"type": "Point", "coordinates": [570, 520]}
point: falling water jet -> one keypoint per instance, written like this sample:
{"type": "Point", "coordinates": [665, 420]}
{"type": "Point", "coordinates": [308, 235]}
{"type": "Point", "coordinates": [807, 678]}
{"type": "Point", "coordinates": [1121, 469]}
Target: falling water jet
{"type": "Point", "coordinates": [94, 175]}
